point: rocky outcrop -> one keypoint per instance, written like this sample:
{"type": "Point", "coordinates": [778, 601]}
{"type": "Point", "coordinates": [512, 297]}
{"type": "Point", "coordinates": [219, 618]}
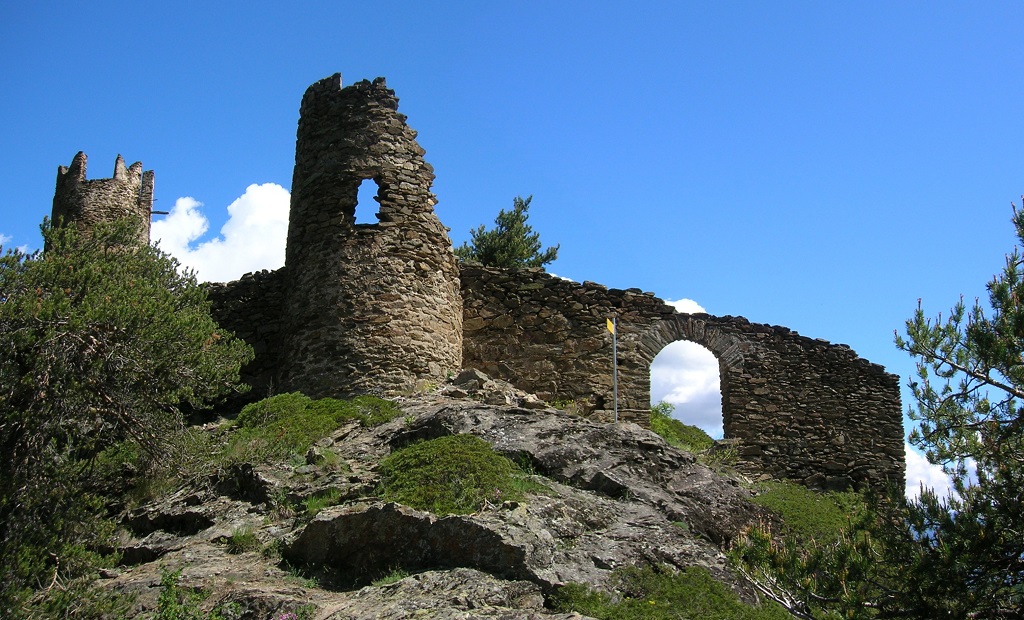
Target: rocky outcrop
{"type": "Point", "coordinates": [614, 496]}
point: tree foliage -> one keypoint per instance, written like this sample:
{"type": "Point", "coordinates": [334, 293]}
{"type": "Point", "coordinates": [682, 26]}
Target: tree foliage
{"type": "Point", "coordinates": [511, 243]}
{"type": "Point", "coordinates": [959, 556]}
{"type": "Point", "coordinates": [100, 341]}
{"type": "Point", "coordinates": [969, 389]}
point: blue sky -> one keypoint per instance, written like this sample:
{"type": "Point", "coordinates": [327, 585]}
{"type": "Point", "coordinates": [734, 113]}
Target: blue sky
{"type": "Point", "coordinates": [808, 164]}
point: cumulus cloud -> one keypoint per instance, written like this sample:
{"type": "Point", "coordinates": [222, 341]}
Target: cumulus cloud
{"type": "Point", "coordinates": [685, 375]}
{"type": "Point", "coordinates": [4, 238]}
{"type": "Point", "coordinates": [687, 306]}
{"type": "Point", "coordinates": [253, 238]}
{"type": "Point", "coordinates": [920, 471]}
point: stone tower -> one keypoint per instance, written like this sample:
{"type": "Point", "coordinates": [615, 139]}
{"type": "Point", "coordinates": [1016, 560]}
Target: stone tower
{"type": "Point", "coordinates": [87, 203]}
{"type": "Point", "coordinates": [370, 308]}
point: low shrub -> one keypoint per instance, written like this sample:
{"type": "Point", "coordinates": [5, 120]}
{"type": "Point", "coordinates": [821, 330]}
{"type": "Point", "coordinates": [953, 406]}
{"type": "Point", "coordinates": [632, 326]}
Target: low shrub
{"type": "Point", "coordinates": [178, 603]}
{"type": "Point", "coordinates": [457, 474]}
{"type": "Point", "coordinates": [652, 593]}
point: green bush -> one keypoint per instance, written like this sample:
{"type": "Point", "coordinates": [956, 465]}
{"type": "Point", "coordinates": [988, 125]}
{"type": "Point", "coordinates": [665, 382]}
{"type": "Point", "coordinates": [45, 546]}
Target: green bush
{"type": "Point", "coordinates": [809, 515]}
{"type": "Point", "coordinates": [682, 436]}
{"type": "Point", "coordinates": [97, 345]}
{"type": "Point", "coordinates": [287, 424]}
{"type": "Point", "coordinates": [661, 593]}
{"type": "Point", "coordinates": [456, 474]}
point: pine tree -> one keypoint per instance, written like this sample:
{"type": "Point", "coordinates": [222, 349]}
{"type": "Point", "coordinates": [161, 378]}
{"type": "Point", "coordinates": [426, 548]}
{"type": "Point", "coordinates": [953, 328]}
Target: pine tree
{"type": "Point", "coordinates": [958, 556]}
{"type": "Point", "coordinates": [511, 243]}
{"type": "Point", "coordinates": [100, 341]}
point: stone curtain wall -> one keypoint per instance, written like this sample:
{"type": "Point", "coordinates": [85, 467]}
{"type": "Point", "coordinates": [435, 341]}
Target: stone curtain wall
{"type": "Point", "coordinates": [370, 307]}
{"type": "Point", "coordinates": [253, 308]}
{"type": "Point", "coordinates": [793, 407]}
{"type": "Point", "coordinates": [88, 203]}
{"type": "Point", "coordinates": [549, 336]}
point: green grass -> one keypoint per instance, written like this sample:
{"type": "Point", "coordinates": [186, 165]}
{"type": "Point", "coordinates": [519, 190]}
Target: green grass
{"type": "Point", "coordinates": [288, 424]}
{"type": "Point", "coordinates": [662, 594]}
{"type": "Point", "coordinates": [243, 539]}
{"type": "Point", "coordinates": [456, 474]}
{"type": "Point", "coordinates": [806, 514]}
{"type": "Point", "coordinates": [682, 436]}
{"type": "Point", "coordinates": [394, 576]}
{"type": "Point", "coordinates": [318, 502]}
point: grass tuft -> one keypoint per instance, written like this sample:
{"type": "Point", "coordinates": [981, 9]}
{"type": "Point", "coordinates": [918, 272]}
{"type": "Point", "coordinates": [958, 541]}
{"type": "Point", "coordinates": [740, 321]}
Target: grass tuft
{"type": "Point", "coordinates": [242, 540]}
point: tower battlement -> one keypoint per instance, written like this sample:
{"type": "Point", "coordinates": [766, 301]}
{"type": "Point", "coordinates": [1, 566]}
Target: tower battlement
{"type": "Point", "coordinates": [86, 203]}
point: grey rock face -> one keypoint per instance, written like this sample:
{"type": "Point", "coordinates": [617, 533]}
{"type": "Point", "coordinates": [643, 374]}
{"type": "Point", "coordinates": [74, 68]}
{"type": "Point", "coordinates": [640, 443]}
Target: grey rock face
{"type": "Point", "coordinates": [615, 496]}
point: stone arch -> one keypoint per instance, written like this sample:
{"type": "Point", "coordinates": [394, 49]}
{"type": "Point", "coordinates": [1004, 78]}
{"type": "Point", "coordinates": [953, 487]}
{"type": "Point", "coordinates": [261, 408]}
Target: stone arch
{"type": "Point", "coordinates": [727, 348]}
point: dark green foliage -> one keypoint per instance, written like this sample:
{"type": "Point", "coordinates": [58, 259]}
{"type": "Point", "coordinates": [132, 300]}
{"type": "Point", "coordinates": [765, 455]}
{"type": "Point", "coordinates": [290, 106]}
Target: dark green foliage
{"type": "Point", "coordinates": [968, 390]}
{"type": "Point", "coordinates": [456, 474]}
{"type": "Point", "coordinates": [287, 424]}
{"type": "Point", "coordinates": [682, 436]}
{"type": "Point", "coordinates": [662, 593]}
{"type": "Point", "coordinates": [99, 342]}
{"type": "Point", "coordinates": [511, 243]}
{"type": "Point", "coordinates": [955, 557]}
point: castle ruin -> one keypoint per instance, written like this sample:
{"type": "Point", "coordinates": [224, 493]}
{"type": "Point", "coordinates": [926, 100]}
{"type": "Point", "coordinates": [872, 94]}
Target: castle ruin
{"type": "Point", "coordinates": [379, 308]}
{"type": "Point", "coordinates": [85, 203]}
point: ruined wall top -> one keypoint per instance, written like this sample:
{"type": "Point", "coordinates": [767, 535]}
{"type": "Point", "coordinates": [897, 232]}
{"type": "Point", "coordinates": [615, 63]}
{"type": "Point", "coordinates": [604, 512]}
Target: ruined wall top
{"type": "Point", "coordinates": [129, 193]}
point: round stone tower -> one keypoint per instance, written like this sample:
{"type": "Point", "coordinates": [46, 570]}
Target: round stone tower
{"type": "Point", "coordinates": [370, 308]}
{"type": "Point", "coordinates": [87, 203]}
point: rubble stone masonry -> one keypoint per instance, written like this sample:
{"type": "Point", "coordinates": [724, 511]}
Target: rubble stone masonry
{"type": "Point", "coordinates": [86, 203]}
{"type": "Point", "coordinates": [370, 307]}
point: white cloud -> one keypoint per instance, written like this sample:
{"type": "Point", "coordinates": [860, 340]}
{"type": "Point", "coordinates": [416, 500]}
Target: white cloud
{"type": "Point", "coordinates": [687, 306]}
{"type": "Point", "coordinates": [685, 374]}
{"type": "Point", "coordinates": [253, 238]}
{"type": "Point", "coordinates": [4, 238]}
{"type": "Point", "coordinates": [920, 471]}
{"type": "Point", "coordinates": [560, 277]}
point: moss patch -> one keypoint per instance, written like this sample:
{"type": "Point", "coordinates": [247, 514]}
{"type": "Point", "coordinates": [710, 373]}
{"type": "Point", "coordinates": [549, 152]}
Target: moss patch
{"type": "Point", "coordinates": [456, 474]}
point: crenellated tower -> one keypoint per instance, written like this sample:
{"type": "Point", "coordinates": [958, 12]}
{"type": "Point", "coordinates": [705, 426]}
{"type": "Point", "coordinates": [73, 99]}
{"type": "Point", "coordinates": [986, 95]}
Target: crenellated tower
{"type": "Point", "coordinates": [369, 307]}
{"type": "Point", "coordinates": [87, 203]}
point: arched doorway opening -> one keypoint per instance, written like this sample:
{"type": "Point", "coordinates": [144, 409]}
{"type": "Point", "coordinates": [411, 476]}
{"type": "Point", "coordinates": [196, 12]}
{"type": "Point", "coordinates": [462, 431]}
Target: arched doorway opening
{"type": "Point", "coordinates": [367, 206]}
{"type": "Point", "coordinates": [687, 376]}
